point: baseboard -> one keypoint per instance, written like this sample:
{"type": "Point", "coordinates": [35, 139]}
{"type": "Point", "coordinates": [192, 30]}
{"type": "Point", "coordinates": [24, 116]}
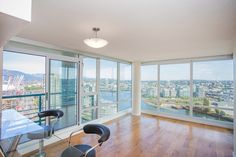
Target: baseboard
{"type": "Point", "coordinates": [190, 119]}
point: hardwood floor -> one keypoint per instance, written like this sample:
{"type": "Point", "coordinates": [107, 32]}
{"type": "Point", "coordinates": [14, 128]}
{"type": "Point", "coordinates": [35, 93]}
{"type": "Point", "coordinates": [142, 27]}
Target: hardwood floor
{"type": "Point", "coordinates": [153, 136]}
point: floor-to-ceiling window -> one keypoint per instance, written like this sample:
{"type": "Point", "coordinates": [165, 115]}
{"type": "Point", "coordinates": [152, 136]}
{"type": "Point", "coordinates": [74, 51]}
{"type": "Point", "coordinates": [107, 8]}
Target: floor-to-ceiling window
{"type": "Point", "coordinates": [200, 89]}
{"type": "Point", "coordinates": [125, 87]}
{"type": "Point", "coordinates": [213, 90]}
{"type": "Point", "coordinates": [23, 83]}
{"type": "Point", "coordinates": [63, 90]}
{"type": "Point", "coordinates": [149, 87]}
{"type": "Point", "coordinates": [23, 89]}
{"type": "Point", "coordinates": [89, 103]}
{"type": "Point", "coordinates": [108, 88]}
{"type": "Point", "coordinates": [175, 88]}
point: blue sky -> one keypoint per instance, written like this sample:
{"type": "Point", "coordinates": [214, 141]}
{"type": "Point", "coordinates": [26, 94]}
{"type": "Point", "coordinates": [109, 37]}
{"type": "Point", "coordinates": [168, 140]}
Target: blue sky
{"type": "Point", "coordinates": [175, 71]}
{"type": "Point", "coordinates": [210, 70]}
{"type": "Point", "coordinates": [30, 64]}
{"type": "Point", "coordinates": [89, 69]}
{"type": "Point", "coordinates": [213, 70]}
{"type": "Point", "coordinates": [108, 69]}
{"type": "Point", "coordinates": [24, 63]}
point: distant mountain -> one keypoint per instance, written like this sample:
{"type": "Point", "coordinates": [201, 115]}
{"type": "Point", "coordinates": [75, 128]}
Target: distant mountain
{"type": "Point", "coordinates": [27, 77]}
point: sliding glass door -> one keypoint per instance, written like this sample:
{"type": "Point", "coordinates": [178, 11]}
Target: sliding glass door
{"type": "Point", "coordinates": [63, 90]}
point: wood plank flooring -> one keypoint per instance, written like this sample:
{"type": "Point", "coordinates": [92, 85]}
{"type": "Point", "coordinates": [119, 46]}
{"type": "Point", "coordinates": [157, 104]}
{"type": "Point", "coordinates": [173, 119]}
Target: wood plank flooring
{"type": "Point", "coordinates": [152, 136]}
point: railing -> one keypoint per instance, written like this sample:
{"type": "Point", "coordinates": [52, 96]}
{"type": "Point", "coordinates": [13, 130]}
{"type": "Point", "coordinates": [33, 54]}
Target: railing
{"type": "Point", "coordinates": [13, 101]}
{"type": "Point", "coordinates": [30, 113]}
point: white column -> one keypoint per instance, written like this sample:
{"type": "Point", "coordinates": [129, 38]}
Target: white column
{"type": "Point", "coordinates": [136, 73]}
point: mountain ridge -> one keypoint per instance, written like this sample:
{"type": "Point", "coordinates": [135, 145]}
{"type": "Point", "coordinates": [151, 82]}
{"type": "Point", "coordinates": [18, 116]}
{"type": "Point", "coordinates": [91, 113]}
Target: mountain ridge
{"type": "Point", "coordinates": [27, 77]}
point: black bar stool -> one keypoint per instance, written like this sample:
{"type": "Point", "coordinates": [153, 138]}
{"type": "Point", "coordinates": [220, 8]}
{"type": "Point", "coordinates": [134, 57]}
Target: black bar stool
{"type": "Point", "coordinates": [82, 150]}
{"type": "Point", "coordinates": [48, 129]}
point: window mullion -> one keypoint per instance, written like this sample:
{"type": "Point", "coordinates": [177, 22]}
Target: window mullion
{"type": "Point", "coordinates": [118, 86]}
{"type": "Point", "coordinates": [191, 89]}
{"type": "Point", "coordinates": [98, 85]}
{"type": "Point", "coordinates": [158, 86]}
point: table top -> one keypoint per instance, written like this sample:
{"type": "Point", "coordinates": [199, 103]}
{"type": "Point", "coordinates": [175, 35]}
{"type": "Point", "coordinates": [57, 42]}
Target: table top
{"type": "Point", "coordinates": [14, 124]}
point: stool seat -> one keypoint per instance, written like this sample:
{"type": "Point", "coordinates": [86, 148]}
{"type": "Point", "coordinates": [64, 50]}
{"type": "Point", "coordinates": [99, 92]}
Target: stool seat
{"type": "Point", "coordinates": [82, 150]}
{"type": "Point", "coordinates": [44, 133]}
{"type": "Point", "coordinates": [78, 151]}
{"type": "Point", "coordinates": [47, 130]}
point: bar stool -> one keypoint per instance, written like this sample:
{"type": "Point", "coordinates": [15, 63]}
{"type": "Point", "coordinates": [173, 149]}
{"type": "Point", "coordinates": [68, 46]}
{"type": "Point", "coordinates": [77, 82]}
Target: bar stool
{"type": "Point", "coordinates": [47, 131]}
{"type": "Point", "coordinates": [83, 150]}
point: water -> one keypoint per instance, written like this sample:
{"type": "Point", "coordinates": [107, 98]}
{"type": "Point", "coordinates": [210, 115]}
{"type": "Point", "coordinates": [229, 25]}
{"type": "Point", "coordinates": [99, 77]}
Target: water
{"type": "Point", "coordinates": [125, 102]}
{"type": "Point", "coordinates": [182, 112]}
{"type": "Point", "coordinates": [125, 99]}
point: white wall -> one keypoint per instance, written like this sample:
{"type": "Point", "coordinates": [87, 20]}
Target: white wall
{"type": "Point", "coordinates": [1, 67]}
{"type": "Point", "coordinates": [14, 15]}
{"type": "Point", "coordinates": [17, 8]}
{"type": "Point", "coordinates": [234, 50]}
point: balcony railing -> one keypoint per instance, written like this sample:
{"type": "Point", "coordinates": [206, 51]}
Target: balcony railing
{"type": "Point", "coordinates": [29, 105]}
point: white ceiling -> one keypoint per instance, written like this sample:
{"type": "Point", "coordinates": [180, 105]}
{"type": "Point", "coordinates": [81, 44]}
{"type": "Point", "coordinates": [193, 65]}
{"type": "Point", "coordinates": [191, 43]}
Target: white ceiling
{"type": "Point", "coordinates": [142, 30]}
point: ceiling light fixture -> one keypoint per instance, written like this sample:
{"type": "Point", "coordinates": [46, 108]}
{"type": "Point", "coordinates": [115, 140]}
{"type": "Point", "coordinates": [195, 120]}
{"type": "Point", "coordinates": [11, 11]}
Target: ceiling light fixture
{"type": "Point", "coordinates": [96, 42]}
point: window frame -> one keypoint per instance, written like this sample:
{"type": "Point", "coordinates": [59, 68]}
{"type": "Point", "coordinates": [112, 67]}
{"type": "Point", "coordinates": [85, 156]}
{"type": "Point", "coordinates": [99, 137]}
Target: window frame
{"type": "Point", "coordinates": [191, 105]}
{"type": "Point", "coordinates": [97, 91]}
{"type": "Point", "coordinates": [118, 87]}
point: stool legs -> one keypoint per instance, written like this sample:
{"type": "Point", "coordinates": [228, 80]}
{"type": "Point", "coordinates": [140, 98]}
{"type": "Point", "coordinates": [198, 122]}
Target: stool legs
{"type": "Point", "coordinates": [41, 153]}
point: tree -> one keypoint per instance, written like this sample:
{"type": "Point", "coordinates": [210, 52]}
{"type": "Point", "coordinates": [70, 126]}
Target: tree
{"type": "Point", "coordinates": [206, 102]}
{"type": "Point", "coordinates": [217, 111]}
{"type": "Point", "coordinates": [207, 109]}
{"type": "Point", "coordinates": [222, 113]}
